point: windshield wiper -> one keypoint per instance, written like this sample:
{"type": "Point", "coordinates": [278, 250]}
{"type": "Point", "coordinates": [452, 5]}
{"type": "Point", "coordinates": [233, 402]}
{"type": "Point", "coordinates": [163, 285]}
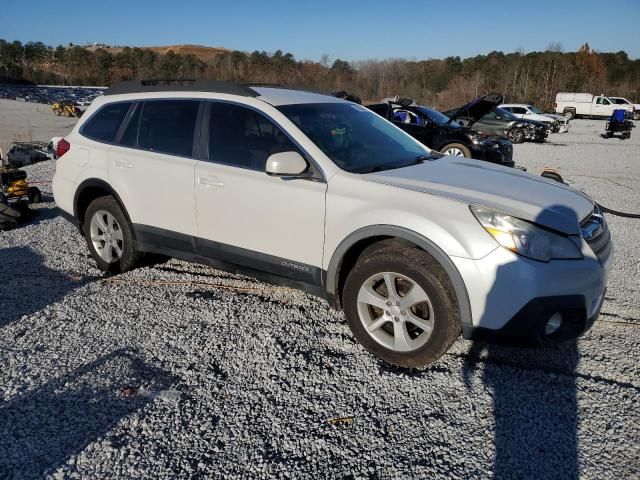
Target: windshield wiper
{"type": "Point", "coordinates": [417, 160]}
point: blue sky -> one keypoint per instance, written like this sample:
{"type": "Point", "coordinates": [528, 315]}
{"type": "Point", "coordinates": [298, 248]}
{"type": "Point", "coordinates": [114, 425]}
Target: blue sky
{"type": "Point", "coordinates": [342, 29]}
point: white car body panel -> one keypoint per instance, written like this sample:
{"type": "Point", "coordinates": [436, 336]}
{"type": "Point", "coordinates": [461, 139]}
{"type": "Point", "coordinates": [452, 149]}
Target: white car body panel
{"type": "Point", "coordinates": [156, 188]}
{"type": "Point", "coordinates": [260, 213]}
{"type": "Point", "coordinates": [528, 115]}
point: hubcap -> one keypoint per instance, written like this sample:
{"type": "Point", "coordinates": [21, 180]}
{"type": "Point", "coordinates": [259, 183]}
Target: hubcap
{"type": "Point", "coordinates": [454, 152]}
{"type": "Point", "coordinates": [106, 236]}
{"type": "Point", "coordinates": [395, 311]}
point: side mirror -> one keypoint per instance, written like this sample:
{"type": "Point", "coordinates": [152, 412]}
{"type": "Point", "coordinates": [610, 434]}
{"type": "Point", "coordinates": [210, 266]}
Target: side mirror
{"type": "Point", "coordinates": [286, 164]}
{"type": "Point", "coordinates": [527, 113]}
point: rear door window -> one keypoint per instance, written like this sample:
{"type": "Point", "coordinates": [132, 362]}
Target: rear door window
{"type": "Point", "coordinates": [104, 124]}
{"type": "Point", "coordinates": [163, 126]}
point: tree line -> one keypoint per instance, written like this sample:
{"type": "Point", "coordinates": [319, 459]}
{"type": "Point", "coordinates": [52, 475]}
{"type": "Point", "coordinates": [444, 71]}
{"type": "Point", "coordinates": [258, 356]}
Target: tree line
{"type": "Point", "coordinates": [520, 77]}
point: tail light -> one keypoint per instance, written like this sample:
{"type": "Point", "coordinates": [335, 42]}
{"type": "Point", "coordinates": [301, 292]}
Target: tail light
{"type": "Point", "coordinates": [62, 148]}
{"type": "Point", "coordinates": [555, 105]}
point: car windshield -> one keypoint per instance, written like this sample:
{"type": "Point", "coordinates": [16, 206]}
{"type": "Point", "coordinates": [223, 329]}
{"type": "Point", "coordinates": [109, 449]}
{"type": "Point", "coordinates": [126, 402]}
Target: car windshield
{"type": "Point", "coordinates": [354, 138]}
{"type": "Point", "coordinates": [535, 110]}
{"type": "Point", "coordinates": [438, 118]}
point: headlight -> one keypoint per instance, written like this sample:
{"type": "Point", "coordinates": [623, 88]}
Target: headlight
{"type": "Point", "coordinates": [525, 238]}
{"type": "Point", "coordinates": [483, 141]}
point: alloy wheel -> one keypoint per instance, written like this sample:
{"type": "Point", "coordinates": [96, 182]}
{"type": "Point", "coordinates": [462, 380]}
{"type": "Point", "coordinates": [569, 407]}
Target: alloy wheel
{"type": "Point", "coordinates": [106, 236]}
{"type": "Point", "coordinates": [395, 311]}
{"type": "Point", "coordinates": [454, 152]}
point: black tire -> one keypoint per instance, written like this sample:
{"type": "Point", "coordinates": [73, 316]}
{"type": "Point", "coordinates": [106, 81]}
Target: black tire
{"type": "Point", "coordinates": [516, 135]}
{"type": "Point", "coordinates": [465, 150]}
{"type": "Point", "coordinates": [35, 196]}
{"type": "Point", "coordinates": [130, 258]}
{"type": "Point", "coordinates": [570, 114]}
{"type": "Point", "coordinates": [426, 272]}
{"type": "Point", "coordinates": [636, 115]}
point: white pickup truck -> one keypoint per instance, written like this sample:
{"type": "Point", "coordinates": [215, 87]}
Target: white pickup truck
{"type": "Point", "coordinates": [573, 105]}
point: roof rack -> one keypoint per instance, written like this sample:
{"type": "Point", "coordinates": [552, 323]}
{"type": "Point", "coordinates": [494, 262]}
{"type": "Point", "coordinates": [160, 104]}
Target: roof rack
{"type": "Point", "coordinates": [180, 85]}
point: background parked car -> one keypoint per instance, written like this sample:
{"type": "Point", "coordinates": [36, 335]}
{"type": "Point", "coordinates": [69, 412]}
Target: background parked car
{"type": "Point", "coordinates": [557, 123]}
{"type": "Point", "coordinates": [573, 105]}
{"type": "Point", "coordinates": [439, 132]}
{"type": "Point", "coordinates": [483, 116]}
{"type": "Point", "coordinates": [624, 101]}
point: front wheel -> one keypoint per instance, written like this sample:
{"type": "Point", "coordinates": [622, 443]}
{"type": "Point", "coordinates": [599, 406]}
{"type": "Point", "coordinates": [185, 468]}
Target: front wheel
{"type": "Point", "coordinates": [456, 150]}
{"type": "Point", "coordinates": [516, 135]}
{"type": "Point", "coordinates": [401, 307]}
{"type": "Point", "coordinates": [109, 236]}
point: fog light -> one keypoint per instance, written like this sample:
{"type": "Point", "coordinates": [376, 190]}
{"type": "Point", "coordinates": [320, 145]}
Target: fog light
{"type": "Point", "coordinates": [553, 324]}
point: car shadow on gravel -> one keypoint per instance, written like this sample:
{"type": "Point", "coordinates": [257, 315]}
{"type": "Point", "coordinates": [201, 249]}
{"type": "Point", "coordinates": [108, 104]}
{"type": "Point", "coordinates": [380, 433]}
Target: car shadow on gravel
{"type": "Point", "coordinates": [41, 429]}
{"type": "Point", "coordinates": [28, 285]}
{"type": "Point", "coordinates": [534, 408]}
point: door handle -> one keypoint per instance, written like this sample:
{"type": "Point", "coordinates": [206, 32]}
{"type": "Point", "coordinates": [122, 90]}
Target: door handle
{"type": "Point", "coordinates": [210, 182]}
{"type": "Point", "coordinates": [122, 163]}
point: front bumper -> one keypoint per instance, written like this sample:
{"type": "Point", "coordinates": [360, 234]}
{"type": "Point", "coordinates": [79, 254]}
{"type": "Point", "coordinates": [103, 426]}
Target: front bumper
{"type": "Point", "coordinates": [512, 297]}
{"type": "Point", "coordinates": [536, 134]}
{"type": "Point", "coordinates": [527, 327]}
{"type": "Point", "coordinates": [503, 155]}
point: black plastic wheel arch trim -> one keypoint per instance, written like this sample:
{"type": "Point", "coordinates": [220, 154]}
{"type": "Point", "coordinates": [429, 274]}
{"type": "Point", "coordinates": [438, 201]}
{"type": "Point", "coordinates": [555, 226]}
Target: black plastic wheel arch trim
{"type": "Point", "coordinates": [422, 242]}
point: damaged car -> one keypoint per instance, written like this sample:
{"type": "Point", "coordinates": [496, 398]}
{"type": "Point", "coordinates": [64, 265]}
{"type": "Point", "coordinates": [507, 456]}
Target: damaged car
{"type": "Point", "coordinates": [484, 116]}
{"type": "Point", "coordinates": [441, 133]}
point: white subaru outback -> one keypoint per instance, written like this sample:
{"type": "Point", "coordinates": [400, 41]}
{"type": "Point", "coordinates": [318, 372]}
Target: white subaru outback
{"type": "Point", "coordinates": [313, 192]}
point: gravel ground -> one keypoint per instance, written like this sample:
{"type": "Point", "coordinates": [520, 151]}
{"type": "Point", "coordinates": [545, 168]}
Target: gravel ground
{"type": "Point", "coordinates": [23, 121]}
{"type": "Point", "coordinates": [221, 376]}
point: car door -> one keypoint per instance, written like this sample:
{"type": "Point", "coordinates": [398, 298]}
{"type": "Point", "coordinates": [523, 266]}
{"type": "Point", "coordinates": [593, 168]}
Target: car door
{"type": "Point", "coordinates": [152, 170]}
{"type": "Point", "coordinates": [491, 124]}
{"type": "Point", "coordinates": [602, 107]}
{"type": "Point", "coordinates": [246, 217]}
{"type": "Point", "coordinates": [415, 125]}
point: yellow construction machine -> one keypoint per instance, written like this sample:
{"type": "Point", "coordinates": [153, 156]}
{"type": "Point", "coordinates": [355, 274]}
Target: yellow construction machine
{"type": "Point", "coordinates": [66, 109]}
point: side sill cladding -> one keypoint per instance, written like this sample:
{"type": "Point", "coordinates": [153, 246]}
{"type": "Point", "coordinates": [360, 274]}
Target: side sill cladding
{"type": "Point", "coordinates": [415, 238]}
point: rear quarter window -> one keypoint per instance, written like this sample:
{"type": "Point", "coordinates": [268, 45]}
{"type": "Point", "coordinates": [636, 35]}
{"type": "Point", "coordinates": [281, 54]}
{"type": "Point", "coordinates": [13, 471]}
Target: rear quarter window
{"type": "Point", "coordinates": [104, 124]}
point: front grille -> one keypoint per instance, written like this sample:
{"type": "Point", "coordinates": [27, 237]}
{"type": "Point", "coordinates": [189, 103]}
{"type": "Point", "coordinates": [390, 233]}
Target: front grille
{"type": "Point", "coordinates": [596, 233]}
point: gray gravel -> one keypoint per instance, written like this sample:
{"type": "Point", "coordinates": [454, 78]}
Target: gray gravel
{"type": "Point", "coordinates": [222, 376]}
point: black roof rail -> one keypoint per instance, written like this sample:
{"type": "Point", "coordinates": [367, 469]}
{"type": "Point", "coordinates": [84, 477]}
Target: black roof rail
{"type": "Point", "coordinates": [180, 85]}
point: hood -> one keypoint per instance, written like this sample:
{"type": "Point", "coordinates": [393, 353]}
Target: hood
{"type": "Point", "coordinates": [514, 192]}
{"type": "Point", "coordinates": [555, 116]}
{"type": "Point", "coordinates": [535, 123]}
{"type": "Point", "coordinates": [476, 109]}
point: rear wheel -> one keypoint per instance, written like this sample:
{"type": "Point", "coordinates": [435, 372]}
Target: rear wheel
{"type": "Point", "coordinates": [109, 236]}
{"type": "Point", "coordinates": [456, 150]}
{"type": "Point", "coordinates": [401, 307]}
{"type": "Point", "coordinates": [570, 114]}
{"type": "Point", "coordinates": [516, 135]}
